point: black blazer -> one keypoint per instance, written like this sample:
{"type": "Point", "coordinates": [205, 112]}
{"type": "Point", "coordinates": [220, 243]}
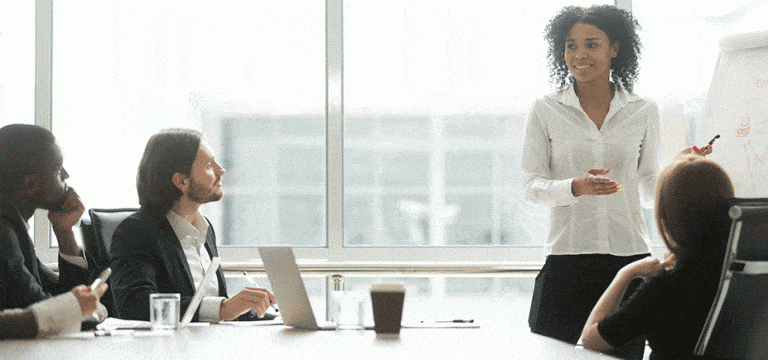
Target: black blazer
{"type": "Point", "coordinates": [24, 279]}
{"type": "Point", "coordinates": [147, 258]}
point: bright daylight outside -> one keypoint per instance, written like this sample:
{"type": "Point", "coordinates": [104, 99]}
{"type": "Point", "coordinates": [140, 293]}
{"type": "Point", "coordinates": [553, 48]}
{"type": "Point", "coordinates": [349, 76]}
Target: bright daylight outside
{"type": "Point", "coordinates": [436, 96]}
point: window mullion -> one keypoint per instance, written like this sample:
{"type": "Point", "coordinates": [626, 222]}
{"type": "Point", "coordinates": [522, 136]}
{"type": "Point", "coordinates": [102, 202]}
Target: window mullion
{"type": "Point", "coordinates": [334, 106]}
{"type": "Point", "coordinates": [43, 107]}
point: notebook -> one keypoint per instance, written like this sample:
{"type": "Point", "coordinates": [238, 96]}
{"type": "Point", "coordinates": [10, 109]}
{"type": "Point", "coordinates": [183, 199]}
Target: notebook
{"type": "Point", "coordinates": [288, 287]}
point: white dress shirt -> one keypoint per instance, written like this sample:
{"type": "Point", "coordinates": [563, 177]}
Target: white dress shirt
{"type": "Point", "coordinates": [192, 239]}
{"type": "Point", "coordinates": [562, 143]}
{"type": "Point", "coordinates": [56, 315]}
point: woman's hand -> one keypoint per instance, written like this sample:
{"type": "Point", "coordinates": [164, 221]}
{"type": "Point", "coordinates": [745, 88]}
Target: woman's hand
{"type": "Point", "coordinates": [694, 150]}
{"type": "Point", "coordinates": [670, 260]}
{"type": "Point", "coordinates": [594, 183]}
{"type": "Point", "coordinates": [646, 267]}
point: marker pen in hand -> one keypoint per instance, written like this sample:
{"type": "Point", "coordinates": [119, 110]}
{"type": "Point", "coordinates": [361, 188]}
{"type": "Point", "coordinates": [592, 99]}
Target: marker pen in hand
{"type": "Point", "coordinates": [712, 141]}
{"type": "Point", "coordinates": [256, 285]}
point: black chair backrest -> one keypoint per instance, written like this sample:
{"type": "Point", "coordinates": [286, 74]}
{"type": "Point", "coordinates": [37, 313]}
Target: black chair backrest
{"type": "Point", "coordinates": [737, 326]}
{"type": "Point", "coordinates": [97, 236]}
{"type": "Point", "coordinates": [97, 239]}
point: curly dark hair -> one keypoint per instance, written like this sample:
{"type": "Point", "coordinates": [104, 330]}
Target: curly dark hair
{"type": "Point", "coordinates": [617, 24]}
{"type": "Point", "coordinates": [168, 152]}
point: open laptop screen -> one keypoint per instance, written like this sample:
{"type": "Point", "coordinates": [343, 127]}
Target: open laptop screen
{"type": "Point", "coordinates": [210, 274]}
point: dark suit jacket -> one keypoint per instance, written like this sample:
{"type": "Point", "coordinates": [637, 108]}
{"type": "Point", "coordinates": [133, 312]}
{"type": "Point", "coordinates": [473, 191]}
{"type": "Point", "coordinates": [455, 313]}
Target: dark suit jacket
{"type": "Point", "coordinates": [17, 323]}
{"type": "Point", "coordinates": [147, 258]}
{"type": "Point", "coordinates": [24, 280]}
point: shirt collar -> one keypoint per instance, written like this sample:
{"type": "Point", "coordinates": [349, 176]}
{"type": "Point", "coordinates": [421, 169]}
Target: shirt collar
{"type": "Point", "coordinates": [621, 98]}
{"type": "Point", "coordinates": [186, 231]}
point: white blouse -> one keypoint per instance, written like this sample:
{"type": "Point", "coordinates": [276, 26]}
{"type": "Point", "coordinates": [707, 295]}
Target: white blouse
{"type": "Point", "coordinates": [562, 143]}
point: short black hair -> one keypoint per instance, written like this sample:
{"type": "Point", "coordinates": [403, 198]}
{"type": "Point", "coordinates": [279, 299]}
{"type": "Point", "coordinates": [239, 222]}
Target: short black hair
{"type": "Point", "coordinates": [24, 149]}
{"type": "Point", "coordinates": [620, 27]}
{"type": "Point", "coordinates": [168, 152]}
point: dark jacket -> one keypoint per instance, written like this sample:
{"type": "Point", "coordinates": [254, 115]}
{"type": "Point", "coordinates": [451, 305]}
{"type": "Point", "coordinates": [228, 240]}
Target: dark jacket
{"type": "Point", "coordinates": [24, 280]}
{"type": "Point", "coordinates": [147, 258]}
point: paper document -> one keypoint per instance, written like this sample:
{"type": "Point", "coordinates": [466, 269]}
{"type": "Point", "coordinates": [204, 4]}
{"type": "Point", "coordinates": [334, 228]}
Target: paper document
{"type": "Point", "coordinates": [276, 321]}
{"type": "Point", "coordinates": [119, 324]}
{"type": "Point", "coordinates": [439, 324]}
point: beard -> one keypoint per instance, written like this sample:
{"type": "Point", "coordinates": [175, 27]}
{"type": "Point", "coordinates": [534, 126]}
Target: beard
{"type": "Point", "coordinates": [200, 194]}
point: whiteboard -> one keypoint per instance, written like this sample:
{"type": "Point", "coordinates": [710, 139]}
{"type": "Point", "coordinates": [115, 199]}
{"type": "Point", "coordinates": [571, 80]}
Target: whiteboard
{"type": "Point", "coordinates": [737, 109]}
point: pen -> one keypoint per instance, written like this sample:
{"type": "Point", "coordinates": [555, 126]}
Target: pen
{"type": "Point", "coordinates": [254, 284]}
{"type": "Point", "coordinates": [456, 321]}
{"type": "Point", "coordinates": [713, 140]}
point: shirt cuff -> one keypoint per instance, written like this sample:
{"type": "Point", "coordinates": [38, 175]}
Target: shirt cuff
{"type": "Point", "coordinates": [564, 191]}
{"type": "Point", "coordinates": [59, 314]}
{"type": "Point", "coordinates": [209, 308]}
{"type": "Point", "coordinates": [75, 260]}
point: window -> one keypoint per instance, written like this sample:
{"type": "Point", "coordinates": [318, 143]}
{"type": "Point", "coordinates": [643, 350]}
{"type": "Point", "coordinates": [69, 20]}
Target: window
{"type": "Point", "coordinates": [433, 96]}
{"type": "Point", "coordinates": [248, 74]}
{"type": "Point", "coordinates": [435, 105]}
{"type": "Point", "coordinates": [17, 62]}
{"type": "Point", "coordinates": [677, 74]}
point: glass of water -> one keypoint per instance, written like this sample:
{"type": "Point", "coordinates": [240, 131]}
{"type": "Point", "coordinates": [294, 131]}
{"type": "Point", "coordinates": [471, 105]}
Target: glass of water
{"type": "Point", "coordinates": [348, 310]}
{"type": "Point", "coordinates": [164, 311]}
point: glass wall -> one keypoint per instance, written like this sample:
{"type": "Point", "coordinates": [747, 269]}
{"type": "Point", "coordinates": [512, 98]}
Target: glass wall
{"type": "Point", "coordinates": [436, 100]}
{"type": "Point", "coordinates": [436, 96]}
{"type": "Point", "coordinates": [17, 62]}
{"type": "Point", "coordinates": [249, 74]}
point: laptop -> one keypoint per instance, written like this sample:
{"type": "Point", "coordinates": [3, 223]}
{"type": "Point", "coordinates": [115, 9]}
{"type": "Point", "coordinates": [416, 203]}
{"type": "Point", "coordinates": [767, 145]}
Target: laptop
{"type": "Point", "coordinates": [210, 275]}
{"type": "Point", "coordinates": [110, 325]}
{"type": "Point", "coordinates": [288, 288]}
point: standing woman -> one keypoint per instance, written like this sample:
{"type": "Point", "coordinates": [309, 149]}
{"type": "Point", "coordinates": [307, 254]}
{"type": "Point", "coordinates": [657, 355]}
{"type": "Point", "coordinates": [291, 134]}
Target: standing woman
{"type": "Point", "coordinates": [591, 154]}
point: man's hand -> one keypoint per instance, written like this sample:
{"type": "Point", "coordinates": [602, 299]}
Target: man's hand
{"type": "Point", "coordinates": [63, 220]}
{"type": "Point", "coordinates": [70, 212]}
{"type": "Point", "coordinates": [88, 300]}
{"type": "Point", "coordinates": [250, 298]}
{"type": "Point", "coordinates": [594, 183]}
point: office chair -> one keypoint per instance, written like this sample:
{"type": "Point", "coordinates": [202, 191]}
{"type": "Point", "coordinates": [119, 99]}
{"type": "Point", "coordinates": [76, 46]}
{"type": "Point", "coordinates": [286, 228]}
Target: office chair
{"type": "Point", "coordinates": [97, 230]}
{"type": "Point", "coordinates": [737, 325]}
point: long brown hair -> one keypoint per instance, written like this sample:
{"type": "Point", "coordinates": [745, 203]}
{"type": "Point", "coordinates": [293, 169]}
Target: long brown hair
{"type": "Point", "coordinates": [168, 152]}
{"type": "Point", "coordinates": [692, 207]}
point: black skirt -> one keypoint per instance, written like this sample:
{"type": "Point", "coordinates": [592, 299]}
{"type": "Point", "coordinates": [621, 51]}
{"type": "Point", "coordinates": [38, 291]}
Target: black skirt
{"type": "Point", "coordinates": [567, 289]}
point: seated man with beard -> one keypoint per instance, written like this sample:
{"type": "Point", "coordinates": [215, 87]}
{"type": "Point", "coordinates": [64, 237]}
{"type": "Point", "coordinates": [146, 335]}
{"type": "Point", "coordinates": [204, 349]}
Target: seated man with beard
{"type": "Point", "coordinates": [167, 245]}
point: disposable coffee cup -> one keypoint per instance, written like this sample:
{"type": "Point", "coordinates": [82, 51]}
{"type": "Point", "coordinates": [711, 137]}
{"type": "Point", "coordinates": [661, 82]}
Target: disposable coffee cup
{"type": "Point", "coordinates": [387, 301]}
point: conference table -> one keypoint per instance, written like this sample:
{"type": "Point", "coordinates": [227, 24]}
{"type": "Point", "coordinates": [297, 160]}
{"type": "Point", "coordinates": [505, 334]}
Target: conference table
{"type": "Point", "coordinates": [276, 341]}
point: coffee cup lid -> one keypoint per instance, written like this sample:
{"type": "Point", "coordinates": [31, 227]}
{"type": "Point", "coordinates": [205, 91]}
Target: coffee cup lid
{"type": "Point", "coordinates": [388, 287]}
